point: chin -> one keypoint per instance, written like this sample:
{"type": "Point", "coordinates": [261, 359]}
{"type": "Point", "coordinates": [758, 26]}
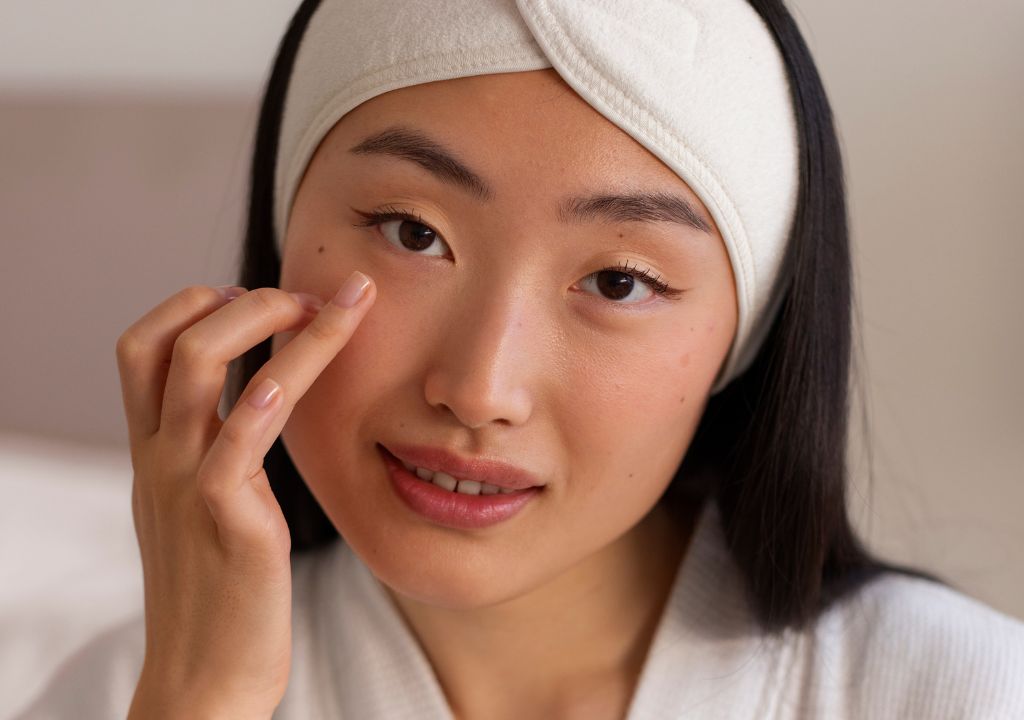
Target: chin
{"type": "Point", "coordinates": [426, 569]}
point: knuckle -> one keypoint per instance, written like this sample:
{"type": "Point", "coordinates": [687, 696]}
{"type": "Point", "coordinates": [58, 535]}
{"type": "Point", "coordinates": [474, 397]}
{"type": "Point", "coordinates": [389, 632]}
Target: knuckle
{"type": "Point", "coordinates": [321, 331]}
{"type": "Point", "coordinates": [129, 347]}
{"type": "Point", "coordinates": [208, 485]}
{"type": "Point", "coordinates": [269, 301]}
{"type": "Point", "coordinates": [233, 434]}
{"type": "Point", "coordinates": [190, 349]}
{"type": "Point", "coordinates": [197, 295]}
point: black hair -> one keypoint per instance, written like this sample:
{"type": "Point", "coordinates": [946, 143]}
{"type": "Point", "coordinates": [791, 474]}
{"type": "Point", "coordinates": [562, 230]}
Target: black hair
{"type": "Point", "coordinates": [770, 448]}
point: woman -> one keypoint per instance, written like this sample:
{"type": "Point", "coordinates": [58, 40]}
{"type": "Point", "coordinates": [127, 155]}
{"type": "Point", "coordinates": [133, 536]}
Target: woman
{"type": "Point", "coordinates": [578, 411]}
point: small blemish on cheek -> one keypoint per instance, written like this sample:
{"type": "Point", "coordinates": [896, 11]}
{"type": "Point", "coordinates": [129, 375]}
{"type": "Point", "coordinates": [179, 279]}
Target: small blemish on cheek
{"type": "Point", "coordinates": [685, 360]}
{"type": "Point", "coordinates": [682, 399]}
{"type": "Point", "coordinates": [320, 249]}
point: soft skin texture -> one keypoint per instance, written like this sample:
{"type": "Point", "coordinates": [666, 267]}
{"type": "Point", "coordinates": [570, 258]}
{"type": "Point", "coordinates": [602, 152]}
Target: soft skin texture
{"type": "Point", "coordinates": [498, 341]}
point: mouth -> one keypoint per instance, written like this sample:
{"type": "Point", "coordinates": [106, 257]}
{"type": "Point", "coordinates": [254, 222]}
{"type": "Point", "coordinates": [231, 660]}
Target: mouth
{"type": "Point", "coordinates": [465, 506]}
{"type": "Point", "coordinates": [454, 471]}
{"type": "Point", "coordinates": [448, 482]}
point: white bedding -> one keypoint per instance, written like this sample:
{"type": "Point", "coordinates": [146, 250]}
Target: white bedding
{"type": "Point", "coordinates": [69, 563]}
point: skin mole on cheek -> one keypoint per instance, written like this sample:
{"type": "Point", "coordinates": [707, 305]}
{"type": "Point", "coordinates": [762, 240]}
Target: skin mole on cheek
{"type": "Point", "coordinates": [321, 249]}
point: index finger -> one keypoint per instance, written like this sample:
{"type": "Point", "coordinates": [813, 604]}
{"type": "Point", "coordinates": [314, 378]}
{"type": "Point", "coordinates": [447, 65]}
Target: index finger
{"type": "Point", "coordinates": [298, 364]}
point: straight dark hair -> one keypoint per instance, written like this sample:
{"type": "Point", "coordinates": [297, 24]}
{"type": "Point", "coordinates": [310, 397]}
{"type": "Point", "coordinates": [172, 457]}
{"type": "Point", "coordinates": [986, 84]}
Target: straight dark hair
{"type": "Point", "coordinates": [771, 447]}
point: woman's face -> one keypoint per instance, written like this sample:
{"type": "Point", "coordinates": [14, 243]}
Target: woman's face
{"type": "Point", "coordinates": [506, 325]}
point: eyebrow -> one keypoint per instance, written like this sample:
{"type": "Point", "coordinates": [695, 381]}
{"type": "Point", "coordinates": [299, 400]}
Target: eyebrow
{"type": "Point", "coordinates": [641, 206]}
{"type": "Point", "coordinates": [635, 207]}
{"type": "Point", "coordinates": [428, 154]}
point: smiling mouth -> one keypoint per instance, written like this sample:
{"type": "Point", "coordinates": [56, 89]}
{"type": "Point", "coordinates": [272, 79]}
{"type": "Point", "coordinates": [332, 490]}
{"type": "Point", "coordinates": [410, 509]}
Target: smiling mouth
{"type": "Point", "coordinates": [447, 482]}
{"type": "Point", "coordinates": [456, 509]}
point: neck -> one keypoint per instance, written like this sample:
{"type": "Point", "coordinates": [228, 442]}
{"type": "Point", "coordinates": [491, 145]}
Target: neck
{"type": "Point", "coordinates": [590, 629]}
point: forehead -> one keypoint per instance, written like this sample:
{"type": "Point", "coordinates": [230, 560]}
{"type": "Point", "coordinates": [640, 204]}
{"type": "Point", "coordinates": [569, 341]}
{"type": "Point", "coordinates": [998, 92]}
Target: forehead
{"type": "Point", "coordinates": [514, 126]}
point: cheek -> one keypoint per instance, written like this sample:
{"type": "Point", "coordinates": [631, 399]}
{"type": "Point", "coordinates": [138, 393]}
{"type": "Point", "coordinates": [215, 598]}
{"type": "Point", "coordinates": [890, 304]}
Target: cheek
{"type": "Point", "coordinates": [665, 378]}
{"type": "Point", "coordinates": [359, 380]}
{"type": "Point", "coordinates": [638, 404]}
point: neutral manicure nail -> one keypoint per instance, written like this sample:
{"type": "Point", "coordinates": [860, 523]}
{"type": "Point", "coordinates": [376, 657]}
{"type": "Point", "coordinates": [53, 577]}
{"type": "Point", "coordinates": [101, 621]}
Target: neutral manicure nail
{"type": "Point", "coordinates": [352, 291]}
{"type": "Point", "coordinates": [230, 292]}
{"type": "Point", "coordinates": [263, 393]}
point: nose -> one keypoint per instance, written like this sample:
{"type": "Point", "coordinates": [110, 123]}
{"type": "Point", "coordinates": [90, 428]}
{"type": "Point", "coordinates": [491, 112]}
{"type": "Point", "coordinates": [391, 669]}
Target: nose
{"type": "Point", "coordinates": [482, 365]}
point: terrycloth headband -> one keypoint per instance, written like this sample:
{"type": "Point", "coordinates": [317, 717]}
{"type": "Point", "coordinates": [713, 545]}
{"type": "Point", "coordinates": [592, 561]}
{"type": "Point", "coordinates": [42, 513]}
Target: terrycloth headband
{"type": "Point", "coordinates": [699, 83]}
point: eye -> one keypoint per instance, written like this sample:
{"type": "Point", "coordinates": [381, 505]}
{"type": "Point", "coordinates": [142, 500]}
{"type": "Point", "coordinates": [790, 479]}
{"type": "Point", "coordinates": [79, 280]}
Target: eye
{"type": "Point", "coordinates": [404, 230]}
{"type": "Point", "coordinates": [625, 283]}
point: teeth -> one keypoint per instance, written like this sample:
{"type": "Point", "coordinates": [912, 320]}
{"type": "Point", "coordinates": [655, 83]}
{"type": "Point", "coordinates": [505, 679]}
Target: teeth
{"type": "Point", "coordinates": [469, 487]}
{"type": "Point", "coordinates": [446, 481]}
{"type": "Point", "coordinates": [443, 480]}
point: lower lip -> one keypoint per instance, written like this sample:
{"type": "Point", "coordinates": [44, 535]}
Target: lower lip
{"type": "Point", "coordinates": [453, 509]}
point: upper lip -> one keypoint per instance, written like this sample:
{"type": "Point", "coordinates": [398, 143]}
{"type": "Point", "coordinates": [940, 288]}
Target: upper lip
{"type": "Point", "coordinates": [482, 470]}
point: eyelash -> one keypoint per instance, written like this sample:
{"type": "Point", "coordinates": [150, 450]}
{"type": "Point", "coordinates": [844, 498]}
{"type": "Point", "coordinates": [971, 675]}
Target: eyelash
{"type": "Point", "coordinates": [388, 213]}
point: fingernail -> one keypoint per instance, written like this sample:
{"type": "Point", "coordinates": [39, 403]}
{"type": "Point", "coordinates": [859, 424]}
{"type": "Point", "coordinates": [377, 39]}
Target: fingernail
{"type": "Point", "coordinates": [311, 302]}
{"type": "Point", "coordinates": [352, 291]}
{"type": "Point", "coordinates": [230, 292]}
{"type": "Point", "coordinates": [261, 396]}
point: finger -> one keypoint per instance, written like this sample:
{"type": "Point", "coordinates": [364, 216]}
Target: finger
{"type": "Point", "coordinates": [297, 365]}
{"type": "Point", "coordinates": [244, 515]}
{"type": "Point", "coordinates": [144, 351]}
{"type": "Point", "coordinates": [201, 355]}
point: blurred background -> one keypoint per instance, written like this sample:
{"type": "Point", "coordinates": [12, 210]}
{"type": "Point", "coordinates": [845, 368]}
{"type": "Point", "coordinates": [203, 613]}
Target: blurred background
{"type": "Point", "coordinates": [125, 130]}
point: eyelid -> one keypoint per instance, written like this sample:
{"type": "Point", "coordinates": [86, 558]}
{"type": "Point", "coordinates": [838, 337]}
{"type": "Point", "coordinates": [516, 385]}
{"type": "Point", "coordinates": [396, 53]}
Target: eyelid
{"type": "Point", "coordinates": [390, 212]}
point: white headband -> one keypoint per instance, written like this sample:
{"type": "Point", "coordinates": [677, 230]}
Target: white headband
{"type": "Point", "coordinates": [699, 83]}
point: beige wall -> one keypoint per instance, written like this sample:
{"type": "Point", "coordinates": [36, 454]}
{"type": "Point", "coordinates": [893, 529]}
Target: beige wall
{"type": "Point", "coordinates": [112, 199]}
{"type": "Point", "coordinates": [195, 44]}
{"type": "Point", "coordinates": [929, 103]}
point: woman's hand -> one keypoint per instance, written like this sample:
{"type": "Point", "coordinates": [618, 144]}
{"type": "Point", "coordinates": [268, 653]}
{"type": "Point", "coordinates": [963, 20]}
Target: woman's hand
{"type": "Point", "coordinates": [214, 544]}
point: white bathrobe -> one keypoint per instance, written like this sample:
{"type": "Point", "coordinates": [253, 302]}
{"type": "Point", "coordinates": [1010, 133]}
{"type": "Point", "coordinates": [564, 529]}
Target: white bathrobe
{"type": "Point", "coordinates": [899, 648]}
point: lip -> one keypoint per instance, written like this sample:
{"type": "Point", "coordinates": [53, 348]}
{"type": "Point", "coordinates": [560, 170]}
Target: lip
{"type": "Point", "coordinates": [494, 472]}
{"type": "Point", "coordinates": [453, 509]}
